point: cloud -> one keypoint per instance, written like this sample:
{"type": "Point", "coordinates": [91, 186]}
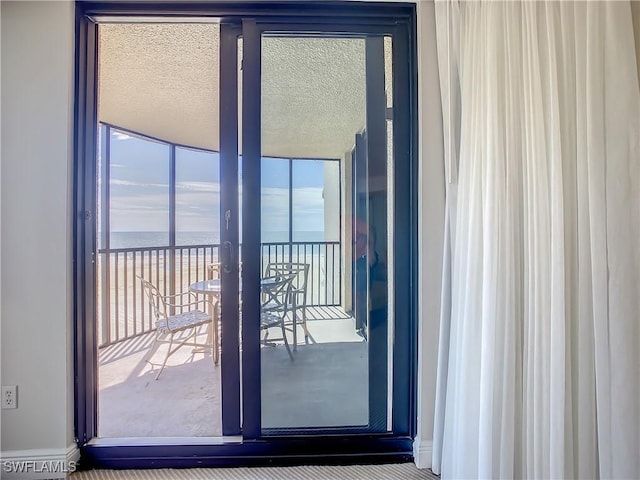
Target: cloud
{"type": "Point", "coordinates": [129, 183]}
{"type": "Point", "coordinates": [121, 136]}
{"type": "Point", "coordinates": [208, 187]}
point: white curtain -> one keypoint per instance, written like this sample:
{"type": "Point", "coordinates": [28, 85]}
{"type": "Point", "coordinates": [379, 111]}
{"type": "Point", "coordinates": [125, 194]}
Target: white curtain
{"type": "Point", "coordinates": [539, 355]}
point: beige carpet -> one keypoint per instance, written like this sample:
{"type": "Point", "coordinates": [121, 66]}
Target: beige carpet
{"type": "Point", "coordinates": [404, 471]}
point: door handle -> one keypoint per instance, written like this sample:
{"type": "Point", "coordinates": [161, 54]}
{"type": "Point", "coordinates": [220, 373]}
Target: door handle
{"type": "Point", "coordinates": [228, 256]}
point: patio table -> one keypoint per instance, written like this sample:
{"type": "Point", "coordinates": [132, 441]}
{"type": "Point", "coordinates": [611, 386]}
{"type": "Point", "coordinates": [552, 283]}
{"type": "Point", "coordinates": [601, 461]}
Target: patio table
{"type": "Point", "coordinates": [213, 288]}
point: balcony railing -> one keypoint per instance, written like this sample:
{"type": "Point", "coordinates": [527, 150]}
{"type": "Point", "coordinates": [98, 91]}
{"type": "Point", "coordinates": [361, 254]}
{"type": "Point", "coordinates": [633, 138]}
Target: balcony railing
{"type": "Point", "coordinates": [123, 312]}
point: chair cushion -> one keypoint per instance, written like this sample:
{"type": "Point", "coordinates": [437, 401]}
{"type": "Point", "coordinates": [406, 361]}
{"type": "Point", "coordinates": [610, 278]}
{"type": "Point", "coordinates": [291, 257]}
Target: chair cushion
{"type": "Point", "coordinates": [184, 320]}
{"type": "Point", "coordinates": [268, 320]}
{"type": "Point", "coordinates": [272, 306]}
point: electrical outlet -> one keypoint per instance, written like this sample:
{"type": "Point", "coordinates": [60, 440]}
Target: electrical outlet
{"type": "Point", "coordinates": [10, 396]}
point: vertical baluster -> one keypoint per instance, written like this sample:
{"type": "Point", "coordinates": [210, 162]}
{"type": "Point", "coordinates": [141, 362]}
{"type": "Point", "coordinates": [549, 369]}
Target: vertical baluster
{"type": "Point", "coordinates": [162, 268]}
{"type": "Point", "coordinates": [106, 291]}
{"type": "Point", "coordinates": [150, 277]}
{"type": "Point", "coordinates": [172, 273]}
{"type": "Point", "coordinates": [309, 278]}
{"type": "Point", "coordinates": [125, 300]}
{"type": "Point", "coordinates": [339, 282]}
{"type": "Point", "coordinates": [269, 255]}
{"type": "Point", "coordinates": [314, 267]}
{"type": "Point", "coordinates": [135, 290]}
{"type": "Point", "coordinates": [324, 247]}
{"type": "Point", "coordinates": [151, 261]}
{"type": "Point", "coordinates": [117, 298]}
{"type": "Point", "coordinates": [167, 273]}
{"type": "Point", "coordinates": [339, 302]}
{"type": "Point", "coordinates": [142, 299]}
{"type": "Point", "coordinates": [268, 248]}
{"type": "Point", "coordinates": [205, 262]}
{"type": "Point", "coordinates": [181, 269]}
{"type": "Point", "coordinates": [330, 295]}
{"type": "Point", "coordinates": [154, 267]}
{"type": "Point", "coordinates": [317, 273]}
{"type": "Point", "coordinates": [326, 272]}
{"type": "Point", "coordinates": [196, 266]}
{"type": "Point", "coordinates": [188, 265]}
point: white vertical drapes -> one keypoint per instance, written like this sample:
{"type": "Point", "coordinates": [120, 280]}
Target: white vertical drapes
{"type": "Point", "coordinates": [539, 355]}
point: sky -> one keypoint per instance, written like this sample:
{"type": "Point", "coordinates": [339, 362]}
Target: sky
{"type": "Point", "coordinates": [140, 190]}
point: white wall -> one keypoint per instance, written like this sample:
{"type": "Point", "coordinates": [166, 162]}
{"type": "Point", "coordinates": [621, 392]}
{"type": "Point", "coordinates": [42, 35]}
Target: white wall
{"type": "Point", "coordinates": [36, 239]}
{"type": "Point", "coordinates": [331, 196]}
{"type": "Point", "coordinates": [431, 226]}
{"type": "Point", "coordinates": [36, 309]}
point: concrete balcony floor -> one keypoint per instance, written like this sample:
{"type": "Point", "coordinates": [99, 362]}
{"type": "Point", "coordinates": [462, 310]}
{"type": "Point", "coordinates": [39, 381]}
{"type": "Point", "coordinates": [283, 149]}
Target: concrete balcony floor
{"type": "Point", "coordinates": [325, 385]}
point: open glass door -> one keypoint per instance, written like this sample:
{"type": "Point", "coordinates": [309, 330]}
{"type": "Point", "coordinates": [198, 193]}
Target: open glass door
{"type": "Point", "coordinates": [168, 230]}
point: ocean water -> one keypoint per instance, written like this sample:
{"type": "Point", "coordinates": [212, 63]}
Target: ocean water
{"type": "Point", "coordinates": [159, 239]}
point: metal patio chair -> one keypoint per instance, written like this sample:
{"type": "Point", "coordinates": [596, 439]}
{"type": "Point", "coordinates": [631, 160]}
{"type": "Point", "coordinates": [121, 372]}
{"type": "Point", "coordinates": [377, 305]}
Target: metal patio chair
{"type": "Point", "coordinates": [177, 315]}
{"type": "Point", "coordinates": [277, 302]}
{"type": "Point", "coordinates": [300, 272]}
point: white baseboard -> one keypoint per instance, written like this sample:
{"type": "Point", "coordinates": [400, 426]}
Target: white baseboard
{"type": "Point", "coordinates": [39, 463]}
{"type": "Point", "coordinates": [422, 451]}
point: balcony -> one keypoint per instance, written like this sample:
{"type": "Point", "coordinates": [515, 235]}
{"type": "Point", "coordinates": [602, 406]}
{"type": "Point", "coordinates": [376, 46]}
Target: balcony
{"type": "Point", "coordinates": [130, 398]}
{"type": "Point", "coordinates": [317, 388]}
{"type": "Point", "coordinates": [188, 395]}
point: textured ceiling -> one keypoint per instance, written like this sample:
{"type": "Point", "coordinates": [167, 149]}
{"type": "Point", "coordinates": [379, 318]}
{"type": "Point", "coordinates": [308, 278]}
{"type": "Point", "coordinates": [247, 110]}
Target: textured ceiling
{"type": "Point", "coordinates": [162, 80]}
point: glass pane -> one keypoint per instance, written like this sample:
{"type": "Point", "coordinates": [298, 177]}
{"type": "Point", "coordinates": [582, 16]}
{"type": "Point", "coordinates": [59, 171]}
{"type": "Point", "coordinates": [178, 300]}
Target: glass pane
{"type": "Point", "coordinates": [139, 191]}
{"type": "Point", "coordinates": [275, 200]}
{"type": "Point", "coordinates": [159, 197]}
{"type": "Point", "coordinates": [197, 197]}
{"type": "Point", "coordinates": [325, 344]}
{"type": "Point", "coordinates": [316, 200]}
{"type": "Point", "coordinates": [388, 62]}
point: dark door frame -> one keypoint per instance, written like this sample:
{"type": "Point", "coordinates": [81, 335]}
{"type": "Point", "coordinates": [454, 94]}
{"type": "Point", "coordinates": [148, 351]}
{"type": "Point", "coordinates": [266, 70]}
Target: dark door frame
{"type": "Point", "coordinates": [229, 233]}
{"type": "Point", "coordinates": [321, 446]}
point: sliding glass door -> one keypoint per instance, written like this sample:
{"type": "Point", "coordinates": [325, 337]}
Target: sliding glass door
{"type": "Point", "coordinates": [319, 184]}
{"type": "Point", "coordinates": [165, 146]}
{"type": "Point", "coordinates": [264, 164]}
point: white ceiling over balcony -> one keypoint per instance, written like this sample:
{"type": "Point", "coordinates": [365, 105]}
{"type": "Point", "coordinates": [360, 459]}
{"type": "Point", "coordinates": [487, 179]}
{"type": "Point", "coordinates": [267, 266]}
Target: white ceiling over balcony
{"type": "Point", "coordinates": [162, 80]}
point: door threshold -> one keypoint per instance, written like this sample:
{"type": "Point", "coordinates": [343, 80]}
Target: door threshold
{"type": "Point", "coordinates": [153, 441]}
{"type": "Point", "coordinates": [134, 453]}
